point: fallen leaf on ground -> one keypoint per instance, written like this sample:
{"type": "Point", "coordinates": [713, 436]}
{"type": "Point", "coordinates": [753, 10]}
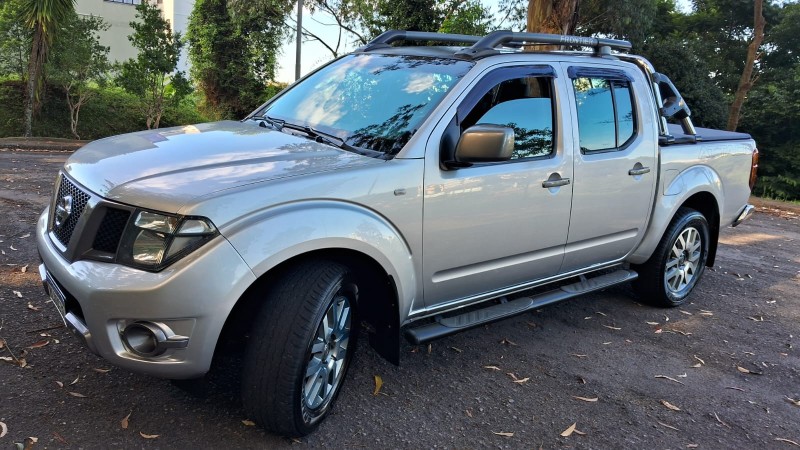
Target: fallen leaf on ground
{"type": "Point", "coordinates": [456, 349]}
{"type": "Point", "coordinates": [612, 328]}
{"type": "Point", "coordinates": [75, 380]}
{"type": "Point", "coordinates": [569, 430]}
{"type": "Point", "coordinates": [788, 441]}
{"type": "Point", "coordinates": [668, 426]}
{"type": "Point", "coordinates": [652, 323]}
{"type": "Point", "coordinates": [734, 388]}
{"type": "Point", "coordinates": [3, 429]}
{"type": "Point", "coordinates": [742, 369]}
{"type": "Point", "coordinates": [695, 366]}
{"type": "Point", "coordinates": [720, 420]}
{"type": "Point", "coordinates": [701, 361]}
{"type": "Point", "coordinates": [60, 438]}
{"type": "Point", "coordinates": [430, 348]}
{"type": "Point", "coordinates": [2, 344]}
{"type": "Point", "coordinates": [149, 436]}
{"type": "Point", "coordinates": [685, 312]}
{"type": "Point", "coordinates": [491, 367]}
{"type": "Point", "coordinates": [669, 378]}
{"type": "Point", "coordinates": [683, 376]}
{"type": "Point", "coordinates": [249, 423]}
{"type": "Point", "coordinates": [670, 405]}
{"type": "Point", "coordinates": [33, 308]}
{"type": "Point", "coordinates": [578, 356]}
{"type": "Point", "coordinates": [12, 248]}
{"type": "Point", "coordinates": [24, 268]}
{"type": "Point", "coordinates": [601, 313]}
{"type": "Point", "coordinates": [39, 344]}
{"type": "Point", "coordinates": [503, 433]}
{"type": "Point", "coordinates": [692, 445]}
{"type": "Point", "coordinates": [17, 293]}
{"type": "Point", "coordinates": [658, 331]}
{"type": "Point", "coordinates": [468, 411]}
{"type": "Point", "coordinates": [60, 384]}
{"type": "Point", "coordinates": [26, 235]}
{"type": "Point", "coordinates": [378, 385]}
{"type": "Point", "coordinates": [793, 401]}
{"type": "Point", "coordinates": [101, 370]}
{"type": "Point", "coordinates": [756, 319]}
{"type": "Point", "coordinates": [76, 394]}
{"type": "Point", "coordinates": [522, 380]}
{"type": "Point", "coordinates": [124, 422]}
{"type": "Point", "coordinates": [507, 342]}
{"type": "Point", "coordinates": [706, 313]}
{"type": "Point", "coordinates": [585, 399]}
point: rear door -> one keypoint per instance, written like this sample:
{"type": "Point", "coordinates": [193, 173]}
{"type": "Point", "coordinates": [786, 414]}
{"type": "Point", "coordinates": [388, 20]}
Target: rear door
{"type": "Point", "coordinates": [491, 226]}
{"type": "Point", "coordinates": [615, 169]}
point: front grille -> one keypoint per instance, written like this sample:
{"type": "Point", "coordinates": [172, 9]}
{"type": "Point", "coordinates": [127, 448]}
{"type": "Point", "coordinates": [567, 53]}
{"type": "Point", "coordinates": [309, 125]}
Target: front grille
{"type": "Point", "coordinates": [110, 231]}
{"type": "Point", "coordinates": [79, 200]}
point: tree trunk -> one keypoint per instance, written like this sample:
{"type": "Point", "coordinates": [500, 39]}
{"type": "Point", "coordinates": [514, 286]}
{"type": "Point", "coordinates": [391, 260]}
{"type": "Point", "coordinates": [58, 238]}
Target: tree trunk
{"type": "Point", "coordinates": [747, 80]}
{"type": "Point", "coordinates": [553, 17]}
{"type": "Point", "coordinates": [35, 64]}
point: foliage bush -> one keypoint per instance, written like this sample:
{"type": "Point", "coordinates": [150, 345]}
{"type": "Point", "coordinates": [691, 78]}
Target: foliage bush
{"type": "Point", "coordinates": [111, 111]}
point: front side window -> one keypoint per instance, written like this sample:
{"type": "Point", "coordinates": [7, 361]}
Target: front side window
{"type": "Point", "coordinates": [524, 104]}
{"type": "Point", "coordinates": [370, 101]}
{"type": "Point", "coordinates": [605, 113]}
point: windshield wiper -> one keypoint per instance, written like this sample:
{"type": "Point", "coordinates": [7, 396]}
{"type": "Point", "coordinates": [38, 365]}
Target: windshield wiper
{"type": "Point", "coordinates": [336, 141]}
{"type": "Point", "coordinates": [275, 123]}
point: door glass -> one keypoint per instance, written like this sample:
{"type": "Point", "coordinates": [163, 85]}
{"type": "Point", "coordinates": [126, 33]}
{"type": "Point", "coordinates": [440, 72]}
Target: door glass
{"type": "Point", "coordinates": [595, 114]}
{"type": "Point", "coordinates": [622, 98]}
{"type": "Point", "coordinates": [524, 104]}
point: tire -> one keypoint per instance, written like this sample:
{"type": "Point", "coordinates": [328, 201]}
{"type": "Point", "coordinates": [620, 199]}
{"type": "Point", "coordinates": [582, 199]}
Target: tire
{"type": "Point", "coordinates": [673, 270]}
{"type": "Point", "coordinates": [291, 338]}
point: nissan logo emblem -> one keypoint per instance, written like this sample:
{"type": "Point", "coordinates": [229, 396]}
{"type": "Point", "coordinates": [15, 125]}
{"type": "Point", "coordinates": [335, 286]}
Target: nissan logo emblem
{"type": "Point", "coordinates": [63, 210]}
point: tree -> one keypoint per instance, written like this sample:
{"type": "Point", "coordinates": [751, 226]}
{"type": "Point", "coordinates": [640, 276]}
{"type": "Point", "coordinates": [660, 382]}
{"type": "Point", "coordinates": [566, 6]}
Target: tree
{"type": "Point", "coordinates": [471, 17]}
{"type": "Point", "coordinates": [552, 16]}
{"type": "Point", "coordinates": [43, 17]}
{"type": "Point", "coordinates": [747, 79]}
{"type": "Point", "coordinates": [77, 62]}
{"type": "Point", "coordinates": [15, 40]}
{"type": "Point", "coordinates": [233, 56]}
{"type": "Point", "coordinates": [155, 66]}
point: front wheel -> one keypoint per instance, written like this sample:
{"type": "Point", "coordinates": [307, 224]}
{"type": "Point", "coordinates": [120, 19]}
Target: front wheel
{"type": "Point", "coordinates": [675, 267]}
{"type": "Point", "coordinates": [300, 348]}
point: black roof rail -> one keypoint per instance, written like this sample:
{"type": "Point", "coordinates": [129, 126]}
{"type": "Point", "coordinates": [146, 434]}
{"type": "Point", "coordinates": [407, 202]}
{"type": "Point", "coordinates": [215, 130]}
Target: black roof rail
{"type": "Point", "coordinates": [387, 37]}
{"type": "Point", "coordinates": [486, 46]}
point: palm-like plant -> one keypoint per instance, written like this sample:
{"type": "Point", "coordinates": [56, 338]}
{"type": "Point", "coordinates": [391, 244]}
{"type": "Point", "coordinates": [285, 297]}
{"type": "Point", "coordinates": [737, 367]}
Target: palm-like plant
{"type": "Point", "coordinates": [44, 17]}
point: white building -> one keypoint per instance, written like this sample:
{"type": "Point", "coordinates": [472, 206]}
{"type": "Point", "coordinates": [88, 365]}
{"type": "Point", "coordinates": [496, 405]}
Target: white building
{"type": "Point", "coordinates": [120, 13]}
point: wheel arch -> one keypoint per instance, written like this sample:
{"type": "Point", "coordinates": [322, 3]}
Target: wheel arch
{"type": "Point", "coordinates": [377, 306]}
{"type": "Point", "coordinates": [699, 188]}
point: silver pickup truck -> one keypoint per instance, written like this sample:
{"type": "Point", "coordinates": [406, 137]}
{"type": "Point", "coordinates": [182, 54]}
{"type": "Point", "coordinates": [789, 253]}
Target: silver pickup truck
{"type": "Point", "coordinates": [397, 191]}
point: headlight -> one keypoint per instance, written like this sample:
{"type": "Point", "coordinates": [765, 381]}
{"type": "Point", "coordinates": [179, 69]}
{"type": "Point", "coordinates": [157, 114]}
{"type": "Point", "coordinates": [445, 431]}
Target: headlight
{"type": "Point", "coordinates": [154, 240]}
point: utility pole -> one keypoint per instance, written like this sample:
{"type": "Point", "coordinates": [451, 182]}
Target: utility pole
{"type": "Point", "coordinates": [299, 39]}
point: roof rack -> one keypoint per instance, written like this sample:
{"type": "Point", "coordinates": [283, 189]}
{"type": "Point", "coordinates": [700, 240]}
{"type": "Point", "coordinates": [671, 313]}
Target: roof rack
{"type": "Point", "coordinates": [387, 37]}
{"type": "Point", "coordinates": [487, 45]}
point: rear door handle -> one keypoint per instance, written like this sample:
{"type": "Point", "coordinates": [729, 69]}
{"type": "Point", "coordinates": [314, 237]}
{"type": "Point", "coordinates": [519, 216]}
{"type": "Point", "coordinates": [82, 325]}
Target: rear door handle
{"type": "Point", "coordinates": [555, 183]}
{"type": "Point", "coordinates": [639, 171]}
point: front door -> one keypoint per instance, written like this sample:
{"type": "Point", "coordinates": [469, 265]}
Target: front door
{"type": "Point", "coordinates": [492, 226]}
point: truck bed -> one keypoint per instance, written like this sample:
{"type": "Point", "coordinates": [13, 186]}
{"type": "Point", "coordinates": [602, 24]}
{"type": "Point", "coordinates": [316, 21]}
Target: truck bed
{"type": "Point", "coordinates": [705, 135]}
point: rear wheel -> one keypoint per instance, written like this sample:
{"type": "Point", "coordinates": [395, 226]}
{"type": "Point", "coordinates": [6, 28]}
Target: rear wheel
{"type": "Point", "coordinates": [677, 264]}
{"type": "Point", "coordinates": [300, 348]}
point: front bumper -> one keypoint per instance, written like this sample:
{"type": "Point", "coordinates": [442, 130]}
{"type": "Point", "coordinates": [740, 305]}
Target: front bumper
{"type": "Point", "coordinates": [193, 297]}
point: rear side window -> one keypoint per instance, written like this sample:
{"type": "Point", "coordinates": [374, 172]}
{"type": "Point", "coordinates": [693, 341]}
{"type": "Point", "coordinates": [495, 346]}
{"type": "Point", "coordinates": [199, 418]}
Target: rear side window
{"type": "Point", "coordinates": [605, 113]}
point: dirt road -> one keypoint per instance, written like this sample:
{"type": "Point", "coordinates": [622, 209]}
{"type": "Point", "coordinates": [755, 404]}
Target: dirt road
{"type": "Point", "coordinates": [721, 372]}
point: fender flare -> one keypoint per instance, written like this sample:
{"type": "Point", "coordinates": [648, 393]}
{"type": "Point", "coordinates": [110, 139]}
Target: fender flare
{"type": "Point", "coordinates": [698, 179]}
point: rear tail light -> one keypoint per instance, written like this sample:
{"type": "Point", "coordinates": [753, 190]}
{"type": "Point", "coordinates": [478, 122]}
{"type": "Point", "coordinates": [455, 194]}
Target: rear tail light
{"type": "Point", "coordinates": [754, 169]}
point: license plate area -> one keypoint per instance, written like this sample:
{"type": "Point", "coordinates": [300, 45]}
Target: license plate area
{"type": "Point", "coordinates": [57, 297]}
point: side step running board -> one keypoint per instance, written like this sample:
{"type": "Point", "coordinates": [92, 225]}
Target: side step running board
{"type": "Point", "coordinates": [449, 325]}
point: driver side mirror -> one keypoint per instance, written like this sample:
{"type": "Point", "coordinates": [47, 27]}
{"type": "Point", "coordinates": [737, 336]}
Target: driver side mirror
{"type": "Point", "coordinates": [484, 143]}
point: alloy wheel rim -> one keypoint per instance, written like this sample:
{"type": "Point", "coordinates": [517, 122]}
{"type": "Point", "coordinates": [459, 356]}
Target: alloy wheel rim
{"type": "Point", "coordinates": [327, 354]}
{"type": "Point", "coordinates": [683, 262]}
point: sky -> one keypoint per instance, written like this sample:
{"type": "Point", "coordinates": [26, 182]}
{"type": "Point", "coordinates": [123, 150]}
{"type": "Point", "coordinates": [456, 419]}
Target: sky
{"type": "Point", "coordinates": [315, 54]}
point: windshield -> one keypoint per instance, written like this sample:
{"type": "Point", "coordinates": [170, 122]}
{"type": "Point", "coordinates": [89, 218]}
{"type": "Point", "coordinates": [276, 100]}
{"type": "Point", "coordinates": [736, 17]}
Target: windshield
{"type": "Point", "coordinates": [369, 101]}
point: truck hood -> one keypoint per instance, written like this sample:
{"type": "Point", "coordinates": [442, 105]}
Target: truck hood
{"type": "Point", "coordinates": [165, 169]}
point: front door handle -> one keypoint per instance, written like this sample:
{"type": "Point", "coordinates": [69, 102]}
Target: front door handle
{"type": "Point", "coordinates": [639, 171]}
{"type": "Point", "coordinates": [555, 183]}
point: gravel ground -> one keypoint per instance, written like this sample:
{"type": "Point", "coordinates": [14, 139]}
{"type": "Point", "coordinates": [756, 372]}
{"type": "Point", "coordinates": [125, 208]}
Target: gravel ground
{"type": "Point", "coordinates": [720, 372]}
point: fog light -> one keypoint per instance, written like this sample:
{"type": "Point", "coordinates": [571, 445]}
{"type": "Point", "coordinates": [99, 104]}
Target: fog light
{"type": "Point", "coordinates": [151, 339]}
{"type": "Point", "coordinates": [142, 338]}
